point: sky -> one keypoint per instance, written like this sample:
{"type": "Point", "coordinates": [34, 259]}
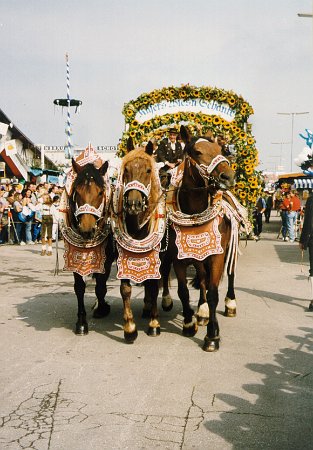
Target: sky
{"type": "Point", "coordinates": [119, 49]}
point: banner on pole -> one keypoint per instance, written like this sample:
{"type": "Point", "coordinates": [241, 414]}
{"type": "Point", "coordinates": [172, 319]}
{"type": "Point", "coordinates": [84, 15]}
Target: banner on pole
{"type": "Point", "coordinates": [10, 147]}
{"type": "Point", "coordinates": [3, 129]}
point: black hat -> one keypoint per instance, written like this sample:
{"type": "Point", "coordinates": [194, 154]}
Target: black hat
{"type": "Point", "coordinates": [173, 131]}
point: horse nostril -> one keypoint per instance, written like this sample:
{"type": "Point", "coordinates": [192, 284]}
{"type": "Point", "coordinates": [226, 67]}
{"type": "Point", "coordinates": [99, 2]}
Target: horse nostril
{"type": "Point", "coordinates": [224, 176]}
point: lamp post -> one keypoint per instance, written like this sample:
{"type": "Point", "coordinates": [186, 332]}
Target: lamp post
{"type": "Point", "coordinates": [292, 114]}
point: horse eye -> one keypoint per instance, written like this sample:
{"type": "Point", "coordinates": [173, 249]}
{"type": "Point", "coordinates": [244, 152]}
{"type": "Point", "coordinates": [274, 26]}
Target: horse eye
{"type": "Point", "coordinates": [148, 170]}
{"type": "Point", "coordinates": [100, 194]}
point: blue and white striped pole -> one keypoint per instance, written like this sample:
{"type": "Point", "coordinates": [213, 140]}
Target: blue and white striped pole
{"type": "Point", "coordinates": [68, 131]}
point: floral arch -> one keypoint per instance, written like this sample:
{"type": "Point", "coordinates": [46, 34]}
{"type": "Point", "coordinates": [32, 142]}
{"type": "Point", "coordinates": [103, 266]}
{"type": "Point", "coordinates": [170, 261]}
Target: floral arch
{"type": "Point", "coordinates": [201, 109]}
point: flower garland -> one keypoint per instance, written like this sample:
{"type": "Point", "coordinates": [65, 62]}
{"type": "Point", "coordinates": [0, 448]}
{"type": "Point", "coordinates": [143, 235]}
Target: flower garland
{"type": "Point", "coordinates": [237, 132]}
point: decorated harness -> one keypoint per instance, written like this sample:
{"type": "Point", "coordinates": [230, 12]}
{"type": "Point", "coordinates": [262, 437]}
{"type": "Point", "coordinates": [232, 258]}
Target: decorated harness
{"type": "Point", "coordinates": [84, 256]}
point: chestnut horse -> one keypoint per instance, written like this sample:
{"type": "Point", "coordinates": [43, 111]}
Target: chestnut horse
{"type": "Point", "coordinates": [87, 236]}
{"type": "Point", "coordinates": [204, 174]}
{"type": "Point", "coordinates": [138, 221]}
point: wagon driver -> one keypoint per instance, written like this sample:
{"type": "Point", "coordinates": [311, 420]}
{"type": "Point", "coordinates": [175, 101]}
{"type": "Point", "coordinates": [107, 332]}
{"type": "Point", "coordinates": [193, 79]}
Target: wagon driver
{"type": "Point", "coordinates": [170, 153]}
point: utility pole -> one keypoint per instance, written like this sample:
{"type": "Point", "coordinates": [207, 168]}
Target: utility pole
{"type": "Point", "coordinates": [292, 114]}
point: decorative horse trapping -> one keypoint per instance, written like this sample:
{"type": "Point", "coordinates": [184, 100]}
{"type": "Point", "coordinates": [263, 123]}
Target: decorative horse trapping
{"type": "Point", "coordinates": [84, 256]}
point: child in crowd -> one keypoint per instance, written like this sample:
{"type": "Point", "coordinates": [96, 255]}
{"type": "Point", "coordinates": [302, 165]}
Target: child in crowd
{"type": "Point", "coordinates": [46, 226]}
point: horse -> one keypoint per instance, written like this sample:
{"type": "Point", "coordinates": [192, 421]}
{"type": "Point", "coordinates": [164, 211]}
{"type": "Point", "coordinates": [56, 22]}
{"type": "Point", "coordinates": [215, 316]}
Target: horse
{"type": "Point", "coordinates": [87, 236]}
{"type": "Point", "coordinates": [202, 214]}
{"type": "Point", "coordinates": [138, 223]}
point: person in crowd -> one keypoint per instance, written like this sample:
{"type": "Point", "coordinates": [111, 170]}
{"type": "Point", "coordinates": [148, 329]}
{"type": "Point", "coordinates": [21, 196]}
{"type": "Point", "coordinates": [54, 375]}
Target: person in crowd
{"type": "Point", "coordinates": [55, 214]}
{"type": "Point", "coordinates": [54, 190]}
{"type": "Point", "coordinates": [46, 226]}
{"type": "Point", "coordinates": [3, 217]}
{"type": "Point", "coordinates": [170, 153]}
{"type": "Point", "coordinates": [306, 239]}
{"type": "Point", "coordinates": [29, 211]}
{"type": "Point", "coordinates": [284, 208]}
{"type": "Point", "coordinates": [292, 214]}
{"type": "Point", "coordinates": [269, 206]}
{"type": "Point", "coordinates": [19, 225]}
{"type": "Point", "coordinates": [258, 217]}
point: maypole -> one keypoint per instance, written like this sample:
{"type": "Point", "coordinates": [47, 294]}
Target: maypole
{"type": "Point", "coordinates": [68, 131]}
{"type": "Point", "coordinates": [68, 102]}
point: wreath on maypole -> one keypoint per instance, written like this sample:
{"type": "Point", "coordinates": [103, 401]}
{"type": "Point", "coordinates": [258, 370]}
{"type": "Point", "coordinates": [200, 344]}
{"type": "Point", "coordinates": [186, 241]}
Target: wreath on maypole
{"type": "Point", "coordinates": [202, 109]}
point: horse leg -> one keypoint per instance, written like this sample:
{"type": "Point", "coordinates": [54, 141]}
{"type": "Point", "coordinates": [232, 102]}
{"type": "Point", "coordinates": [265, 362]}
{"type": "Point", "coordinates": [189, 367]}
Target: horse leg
{"type": "Point", "coordinates": [102, 307]}
{"type": "Point", "coordinates": [152, 286]}
{"type": "Point", "coordinates": [212, 338]}
{"type": "Point", "coordinates": [190, 326]}
{"type": "Point", "coordinates": [202, 314]}
{"type": "Point", "coordinates": [130, 330]}
{"type": "Point", "coordinates": [230, 299]}
{"type": "Point", "coordinates": [79, 288]}
{"type": "Point", "coordinates": [167, 301]}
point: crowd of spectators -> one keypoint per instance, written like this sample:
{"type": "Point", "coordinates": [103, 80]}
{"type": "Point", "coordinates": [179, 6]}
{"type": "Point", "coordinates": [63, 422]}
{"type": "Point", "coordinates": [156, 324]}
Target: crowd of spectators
{"type": "Point", "coordinates": [22, 209]}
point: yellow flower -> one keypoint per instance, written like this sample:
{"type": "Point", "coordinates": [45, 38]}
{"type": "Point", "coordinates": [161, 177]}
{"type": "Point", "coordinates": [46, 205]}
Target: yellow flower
{"type": "Point", "coordinates": [129, 112]}
{"type": "Point", "coordinates": [207, 96]}
{"type": "Point", "coordinates": [176, 116]}
{"type": "Point", "coordinates": [192, 115]}
{"type": "Point", "coordinates": [216, 120]}
{"type": "Point", "coordinates": [250, 140]}
{"type": "Point", "coordinates": [244, 106]}
{"type": "Point", "coordinates": [132, 134]}
{"type": "Point", "coordinates": [183, 94]}
{"type": "Point", "coordinates": [240, 185]}
{"type": "Point", "coordinates": [227, 125]}
{"type": "Point", "coordinates": [135, 123]}
{"type": "Point", "coordinates": [231, 101]}
{"type": "Point", "coordinates": [242, 135]}
{"type": "Point", "coordinates": [244, 152]}
{"type": "Point", "coordinates": [242, 194]}
{"type": "Point", "coordinates": [254, 185]}
{"type": "Point", "coordinates": [210, 119]}
{"type": "Point", "coordinates": [234, 166]}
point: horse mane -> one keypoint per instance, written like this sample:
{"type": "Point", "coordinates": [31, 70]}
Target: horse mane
{"type": "Point", "coordinates": [141, 155]}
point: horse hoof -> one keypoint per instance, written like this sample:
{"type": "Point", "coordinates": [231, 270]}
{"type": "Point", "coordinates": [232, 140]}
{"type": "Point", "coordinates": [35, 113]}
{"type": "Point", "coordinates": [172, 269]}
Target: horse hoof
{"type": "Point", "coordinates": [81, 329]}
{"type": "Point", "coordinates": [102, 311]}
{"type": "Point", "coordinates": [154, 331]}
{"type": "Point", "coordinates": [230, 312]}
{"type": "Point", "coordinates": [211, 345]}
{"type": "Point", "coordinates": [130, 337]}
{"type": "Point", "coordinates": [167, 303]}
{"type": "Point", "coordinates": [190, 331]}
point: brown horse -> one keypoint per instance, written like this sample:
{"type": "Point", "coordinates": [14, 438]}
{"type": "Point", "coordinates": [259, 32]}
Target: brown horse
{"type": "Point", "coordinates": [87, 236]}
{"type": "Point", "coordinates": [196, 200]}
{"type": "Point", "coordinates": [138, 221]}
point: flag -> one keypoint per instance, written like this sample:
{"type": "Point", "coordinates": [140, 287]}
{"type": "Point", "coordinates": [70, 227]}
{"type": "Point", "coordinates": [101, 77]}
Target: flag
{"type": "Point", "coordinates": [10, 147]}
{"type": "Point", "coordinates": [3, 129]}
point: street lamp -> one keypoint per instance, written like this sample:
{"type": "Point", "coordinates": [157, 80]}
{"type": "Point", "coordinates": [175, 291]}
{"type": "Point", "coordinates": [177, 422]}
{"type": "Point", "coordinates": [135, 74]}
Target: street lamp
{"type": "Point", "coordinates": [292, 114]}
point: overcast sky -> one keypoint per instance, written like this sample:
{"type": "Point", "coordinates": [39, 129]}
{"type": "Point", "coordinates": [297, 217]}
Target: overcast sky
{"type": "Point", "coordinates": [119, 49]}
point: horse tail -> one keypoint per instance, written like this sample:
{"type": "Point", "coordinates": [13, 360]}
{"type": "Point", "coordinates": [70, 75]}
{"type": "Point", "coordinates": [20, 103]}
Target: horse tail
{"type": "Point", "coordinates": [195, 282]}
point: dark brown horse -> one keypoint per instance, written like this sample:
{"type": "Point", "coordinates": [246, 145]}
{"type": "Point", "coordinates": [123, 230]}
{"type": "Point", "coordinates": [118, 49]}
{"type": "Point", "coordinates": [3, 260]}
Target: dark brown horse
{"type": "Point", "coordinates": [138, 221]}
{"type": "Point", "coordinates": [197, 198]}
{"type": "Point", "coordinates": [87, 237]}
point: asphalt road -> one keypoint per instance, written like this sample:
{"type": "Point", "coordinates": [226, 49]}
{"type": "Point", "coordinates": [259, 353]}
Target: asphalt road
{"type": "Point", "coordinates": [61, 391]}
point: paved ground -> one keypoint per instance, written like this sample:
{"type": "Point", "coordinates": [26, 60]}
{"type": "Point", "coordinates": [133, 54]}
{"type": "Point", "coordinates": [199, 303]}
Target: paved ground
{"type": "Point", "coordinates": [60, 391]}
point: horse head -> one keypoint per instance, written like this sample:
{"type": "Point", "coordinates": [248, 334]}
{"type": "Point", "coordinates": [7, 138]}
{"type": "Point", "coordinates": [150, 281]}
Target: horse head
{"type": "Point", "coordinates": [139, 180]}
{"type": "Point", "coordinates": [205, 154]}
{"type": "Point", "coordinates": [88, 199]}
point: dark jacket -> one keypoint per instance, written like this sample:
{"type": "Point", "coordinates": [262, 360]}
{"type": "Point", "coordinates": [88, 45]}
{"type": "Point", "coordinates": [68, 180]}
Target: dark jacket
{"type": "Point", "coordinates": [306, 237]}
{"type": "Point", "coordinates": [166, 153]}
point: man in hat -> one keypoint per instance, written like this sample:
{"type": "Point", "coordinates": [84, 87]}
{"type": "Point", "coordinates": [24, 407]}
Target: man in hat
{"type": "Point", "coordinates": [170, 153]}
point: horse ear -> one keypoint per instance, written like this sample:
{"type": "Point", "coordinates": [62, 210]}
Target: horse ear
{"type": "Point", "coordinates": [130, 144]}
{"type": "Point", "coordinates": [185, 135]}
{"type": "Point", "coordinates": [209, 135]}
{"type": "Point", "coordinates": [149, 148]}
{"type": "Point", "coordinates": [76, 167]}
{"type": "Point", "coordinates": [104, 168]}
